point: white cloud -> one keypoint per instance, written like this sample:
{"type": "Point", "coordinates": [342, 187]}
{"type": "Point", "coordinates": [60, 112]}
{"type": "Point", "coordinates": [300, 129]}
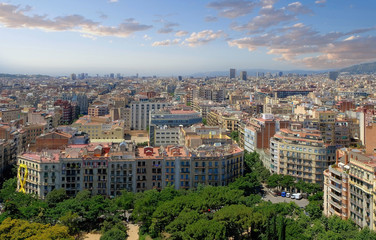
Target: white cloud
{"type": "Point", "coordinates": [89, 36]}
{"type": "Point", "coordinates": [147, 37]}
{"type": "Point", "coordinates": [167, 42]}
{"type": "Point", "coordinates": [168, 27]}
{"type": "Point", "coordinates": [203, 37]}
{"type": "Point", "coordinates": [320, 1]}
{"type": "Point", "coordinates": [113, 1]}
{"type": "Point", "coordinates": [12, 16]}
{"type": "Point", "coordinates": [233, 8]}
{"type": "Point", "coordinates": [293, 43]}
{"type": "Point", "coordinates": [181, 33]}
{"type": "Point", "coordinates": [269, 17]}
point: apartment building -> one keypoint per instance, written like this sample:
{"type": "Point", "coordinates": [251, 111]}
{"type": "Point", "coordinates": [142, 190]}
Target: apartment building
{"type": "Point", "coordinates": [140, 113]}
{"type": "Point", "coordinates": [101, 129]}
{"type": "Point", "coordinates": [107, 169]}
{"type": "Point", "coordinates": [301, 153]}
{"type": "Point", "coordinates": [258, 131]}
{"type": "Point", "coordinates": [336, 187]}
{"type": "Point", "coordinates": [349, 190]}
{"type": "Point", "coordinates": [165, 124]}
{"type": "Point", "coordinates": [8, 115]}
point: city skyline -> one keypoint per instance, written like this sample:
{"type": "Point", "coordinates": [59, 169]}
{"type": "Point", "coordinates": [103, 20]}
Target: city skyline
{"type": "Point", "coordinates": [178, 38]}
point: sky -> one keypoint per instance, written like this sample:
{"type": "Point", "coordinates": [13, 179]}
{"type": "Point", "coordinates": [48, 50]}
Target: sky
{"type": "Point", "coordinates": [182, 37]}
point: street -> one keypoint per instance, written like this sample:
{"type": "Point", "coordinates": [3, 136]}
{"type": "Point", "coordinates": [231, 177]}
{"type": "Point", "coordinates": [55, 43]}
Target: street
{"type": "Point", "coordinates": [278, 199]}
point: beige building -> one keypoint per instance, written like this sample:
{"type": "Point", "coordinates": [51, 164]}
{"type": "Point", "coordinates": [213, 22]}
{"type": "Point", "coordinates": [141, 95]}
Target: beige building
{"type": "Point", "coordinates": [349, 190]}
{"type": "Point", "coordinates": [101, 129]}
{"type": "Point", "coordinates": [301, 153]}
{"type": "Point", "coordinates": [10, 114]}
{"type": "Point", "coordinates": [107, 169]}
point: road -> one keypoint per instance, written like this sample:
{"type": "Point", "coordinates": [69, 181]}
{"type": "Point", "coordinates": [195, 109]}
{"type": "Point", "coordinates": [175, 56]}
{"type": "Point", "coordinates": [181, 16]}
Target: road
{"type": "Point", "coordinates": [133, 232]}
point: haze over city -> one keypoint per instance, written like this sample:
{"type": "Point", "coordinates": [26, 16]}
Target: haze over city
{"type": "Point", "coordinates": [183, 37]}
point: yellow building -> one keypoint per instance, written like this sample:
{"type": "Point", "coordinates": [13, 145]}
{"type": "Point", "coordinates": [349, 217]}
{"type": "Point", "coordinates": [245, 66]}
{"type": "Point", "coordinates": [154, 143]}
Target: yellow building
{"type": "Point", "coordinates": [101, 129]}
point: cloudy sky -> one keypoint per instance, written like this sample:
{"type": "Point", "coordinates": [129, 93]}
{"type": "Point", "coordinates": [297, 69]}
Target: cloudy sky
{"type": "Point", "coordinates": [174, 37]}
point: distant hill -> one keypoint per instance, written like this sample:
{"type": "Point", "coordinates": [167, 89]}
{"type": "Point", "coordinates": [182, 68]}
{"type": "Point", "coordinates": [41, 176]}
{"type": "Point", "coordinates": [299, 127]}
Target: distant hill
{"type": "Point", "coordinates": [360, 68]}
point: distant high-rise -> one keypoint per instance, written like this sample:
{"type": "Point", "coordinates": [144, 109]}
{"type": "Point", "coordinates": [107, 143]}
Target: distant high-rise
{"type": "Point", "coordinates": [180, 78]}
{"type": "Point", "coordinates": [232, 73]}
{"type": "Point", "coordinates": [73, 76]}
{"type": "Point", "coordinates": [243, 75]}
{"type": "Point", "coordinates": [260, 74]}
{"type": "Point", "coordinates": [280, 74]}
{"type": "Point", "coordinates": [333, 75]}
{"type": "Point", "coordinates": [112, 75]}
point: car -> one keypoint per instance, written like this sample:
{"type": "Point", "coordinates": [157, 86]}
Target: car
{"type": "Point", "coordinates": [288, 194]}
{"type": "Point", "coordinates": [283, 194]}
{"type": "Point", "coordinates": [298, 196]}
{"type": "Point", "coordinates": [278, 193]}
{"type": "Point", "coordinates": [292, 196]}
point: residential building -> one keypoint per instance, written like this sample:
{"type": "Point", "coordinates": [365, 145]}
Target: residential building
{"type": "Point", "coordinates": [301, 153]}
{"type": "Point", "coordinates": [140, 113]}
{"type": "Point", "coordinates": [107, 169]}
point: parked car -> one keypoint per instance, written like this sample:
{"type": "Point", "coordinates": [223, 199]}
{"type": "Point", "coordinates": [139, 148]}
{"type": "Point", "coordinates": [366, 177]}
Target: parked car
{"type": "Point", "coordinates": [298, 196]}
{"type": "Point", "coordinates": [283, 194]}
{"type": "Point", "coordinates": [292, 196]}
{"type": "Point", "coordinates": [288, 195]}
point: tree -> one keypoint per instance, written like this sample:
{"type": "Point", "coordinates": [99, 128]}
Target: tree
{"type": "Point", "coordinates": [314, 209]}
{"type": "Point", "coordinates": [8, 189]}
{"type": "Point", "coordinates": [72, 221]}
{"type": "Point", "coordinates": [56, 196]}
{"type": "Point", "coordinates": [274, 180]}
{"type": "Point", "coordinates": [249, 184]}
{"type": "Point", "coordinates": [287, 181]}
{"type": "Point", "coordinates": [11, 229]}
{"type": "Point", "coordinates": [205, 229]}
{"type": "Point", "coordinates": [204, 121]}
{"type": "Point", "coordinates": [114, 234]}
{"type": "Point", "coordinates": [235, 136]}
{"type": "Point", "coordinates": [235, 218]}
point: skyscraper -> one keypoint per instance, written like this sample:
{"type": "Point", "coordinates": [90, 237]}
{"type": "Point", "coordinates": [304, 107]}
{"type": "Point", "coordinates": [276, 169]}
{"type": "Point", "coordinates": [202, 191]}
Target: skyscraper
{"type": "Point", "coordinates": [232, 73]}
{"type": "Point", "coordinates": [243, 75]}
{"type": "Point", "coordinates": [333, 75]}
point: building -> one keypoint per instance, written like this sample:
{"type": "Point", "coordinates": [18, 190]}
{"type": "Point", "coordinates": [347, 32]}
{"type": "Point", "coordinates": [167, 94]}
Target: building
{"type": "Point", "coordinates": [232, 73]}
{"type": "Point", "coordinates": [301, 153]}
{"type": "Point", "coordinates": [8, 115]}
{"type": "Point", "coordinates": [101, 129]}
{"type": "Point", "coordinates": [287, 93]}
{"type": "Point", "coordinates": [67, 112]}
{"type": "Point", "coordinates": [243, 75]}
{"type": "Point", "coordinates": [333, 75]}
{"type": "Point", "coordinates": [107, 169]}
{"type": "Point", "coordinates": [140, 113]}
{"type": "Point", "coordinates": [174, 118]}
{"type": "Point", "coordinates": [164, 125]}
{"type": "Point", "coordinates": [98, 110]}
{"type": "Point", "coordinates": [336, 188]}
{"type": "Point", "coordinates": [349, 190]}
{"type": "Point", "coordinates": [258, 131]}
{"type": "Point", "coordinates": [163, 135]}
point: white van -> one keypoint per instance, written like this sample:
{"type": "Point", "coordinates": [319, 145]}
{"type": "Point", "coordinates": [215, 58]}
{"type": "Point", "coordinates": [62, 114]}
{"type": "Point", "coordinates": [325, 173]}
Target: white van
{"type": "Point", "coordinates": [298, 196]}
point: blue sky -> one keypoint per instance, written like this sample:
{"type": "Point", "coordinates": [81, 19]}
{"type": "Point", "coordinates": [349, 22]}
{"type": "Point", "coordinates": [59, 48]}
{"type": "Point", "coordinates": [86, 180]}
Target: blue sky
{"type": "Point", "coordinates": [179, 37]}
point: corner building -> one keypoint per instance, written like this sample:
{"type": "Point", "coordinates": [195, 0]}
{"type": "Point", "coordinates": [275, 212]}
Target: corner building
{"type": "Point", "coordinates": [301, 153]}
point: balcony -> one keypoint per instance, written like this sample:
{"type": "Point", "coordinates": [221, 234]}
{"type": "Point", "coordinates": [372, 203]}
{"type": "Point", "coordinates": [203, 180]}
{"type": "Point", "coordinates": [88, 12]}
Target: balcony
{"type": "Point", "coordinates": [337, 205]}
{"type": "Point", "coordinates": [339, 181]}
{"type": "Point", "coordinates": [332, 194]}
